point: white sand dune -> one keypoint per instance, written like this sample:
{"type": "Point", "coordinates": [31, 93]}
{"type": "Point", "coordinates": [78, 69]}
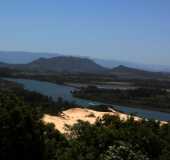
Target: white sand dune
{"type": "Point", "coordinates": [71, 116]}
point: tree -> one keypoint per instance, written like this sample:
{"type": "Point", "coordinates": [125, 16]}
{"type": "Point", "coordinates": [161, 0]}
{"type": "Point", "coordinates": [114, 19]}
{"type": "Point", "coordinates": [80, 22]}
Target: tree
{"type": "Point", "coordinates": [123, 152]}
{"type": "Point", "coordinates": [23, 135]}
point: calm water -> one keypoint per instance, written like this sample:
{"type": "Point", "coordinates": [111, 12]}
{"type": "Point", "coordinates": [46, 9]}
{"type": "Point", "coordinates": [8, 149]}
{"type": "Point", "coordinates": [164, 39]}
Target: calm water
{"type": "Point", "coordinates": [55, 91]}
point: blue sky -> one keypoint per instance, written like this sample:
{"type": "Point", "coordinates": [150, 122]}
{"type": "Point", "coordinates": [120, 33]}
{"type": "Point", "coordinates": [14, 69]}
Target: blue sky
{"type": "Point", "coordinates": [132, 30]}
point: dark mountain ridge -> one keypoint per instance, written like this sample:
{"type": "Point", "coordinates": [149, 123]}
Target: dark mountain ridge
{"type": "Point", "coordinates": [148, 67]}
{"type": "Point", "coordinates": [74, 65]}
{"type": "Point", "coordinates": [67, 64]}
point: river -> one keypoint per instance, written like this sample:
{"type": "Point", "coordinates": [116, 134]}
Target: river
{"type": "Point", "coordinates": [55, 91]}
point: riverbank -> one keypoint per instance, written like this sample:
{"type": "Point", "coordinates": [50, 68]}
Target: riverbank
{"type": "Point", "coordinates": [145, 98]}
{"type": "Point", "coordinates": [103, 85]}
{"type": "Point", "coordinates": [129, 105]}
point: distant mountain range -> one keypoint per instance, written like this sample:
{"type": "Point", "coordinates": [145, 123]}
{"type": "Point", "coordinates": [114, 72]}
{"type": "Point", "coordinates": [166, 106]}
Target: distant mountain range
{"type": "Point", "coordinates": [19, 57]}
{"type": "Point", "coordinates": [148, 67]}
{"type": "Point", "coordinates": [72, 65]}
{"type": "Point", "coordinates": [60, 64]}
{"type": "Point", "coordinates": [77, 65]}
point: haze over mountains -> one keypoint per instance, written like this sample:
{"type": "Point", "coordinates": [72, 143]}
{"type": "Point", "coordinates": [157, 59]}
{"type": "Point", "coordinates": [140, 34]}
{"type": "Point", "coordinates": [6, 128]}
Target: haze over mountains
{"type": "Point", "coordinates": [149, 67]}
{"type": "Point", "coordinates": [20, 57]}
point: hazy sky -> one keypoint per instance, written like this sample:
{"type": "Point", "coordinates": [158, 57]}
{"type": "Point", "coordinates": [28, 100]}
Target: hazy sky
{"type": "Point", "coordinates": [133, 30]}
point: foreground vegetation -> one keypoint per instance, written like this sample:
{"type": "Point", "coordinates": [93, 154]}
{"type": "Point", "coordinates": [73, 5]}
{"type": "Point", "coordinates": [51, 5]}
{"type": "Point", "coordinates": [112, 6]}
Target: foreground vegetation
{"type": "Point", "coordinates": [24, 136]}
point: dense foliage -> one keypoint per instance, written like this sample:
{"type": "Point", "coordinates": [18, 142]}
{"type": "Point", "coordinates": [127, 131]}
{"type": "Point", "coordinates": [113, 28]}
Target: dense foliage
{"type": "Point", "coordinates": [143, 97]}
{"type": "Point", "coordinates": [22, 134]}
{"type": "Point", "coordinates": [123, 151]}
